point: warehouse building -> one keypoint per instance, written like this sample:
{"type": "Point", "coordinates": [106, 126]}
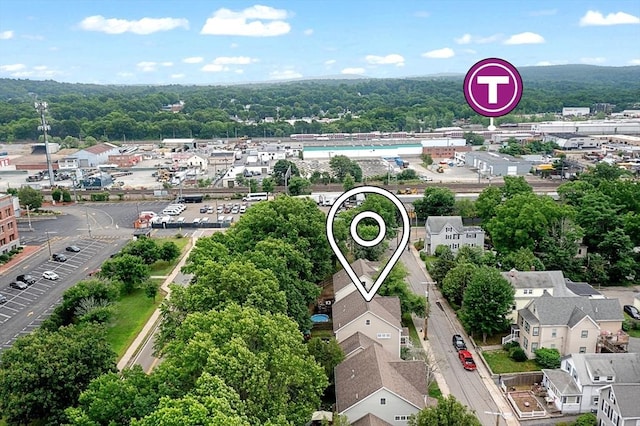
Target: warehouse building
{"type": "Point", "coordinates": [495, 164]}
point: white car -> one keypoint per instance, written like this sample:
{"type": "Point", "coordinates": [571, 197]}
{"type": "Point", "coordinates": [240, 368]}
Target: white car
{"type": "Point", "coordinates": [50, 275]}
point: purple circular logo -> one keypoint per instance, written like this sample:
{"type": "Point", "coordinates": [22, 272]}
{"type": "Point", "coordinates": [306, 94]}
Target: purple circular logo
{"type": "Point", "coordinates": [493, 87]}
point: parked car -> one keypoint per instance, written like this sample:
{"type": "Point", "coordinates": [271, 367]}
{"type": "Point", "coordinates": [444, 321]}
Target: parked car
{"type": "Point", "coordinates": [50, 275]}
{"type": "Point", "coordinates": [73, 249]}
{"type": "Point", "coordinates": [58, 257]}
{"type": "Point", "coordinates": [204, 209]}
{"type": "Point", "coordinates": [458, 342]}
{"type": "Point", "coordinates": [220, 209]}
{"type": "Point", "coordinates": [210, 210]}
{"type": "Point", "coordinates": [235, 210]}
{"type": "Point", "coordinates": [467, 360]}
{"type": "Point", "coordinates": [632, 311]}
{"type": "Point", "coordinates": [243, 209]}
{"type": "Point", "coordinates": [27, 279]}
{"type": "Point", "coordinates": [18, 285]}
{"type": "Point", "coordinates": [3, 299]}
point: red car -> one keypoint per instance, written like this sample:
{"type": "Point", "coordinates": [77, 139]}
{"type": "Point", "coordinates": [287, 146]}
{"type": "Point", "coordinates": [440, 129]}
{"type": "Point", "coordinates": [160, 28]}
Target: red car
{"type": "Point", "coordinates": [467, 360]}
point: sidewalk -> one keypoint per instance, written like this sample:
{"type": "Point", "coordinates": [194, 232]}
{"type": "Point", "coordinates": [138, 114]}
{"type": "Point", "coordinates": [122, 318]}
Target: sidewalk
{"type": "Point", "coordinates": [150, 327]}
{"type": "Point", "coordinates": [496, 394]}
{"type": "Point", "coordinates": [19, 258]}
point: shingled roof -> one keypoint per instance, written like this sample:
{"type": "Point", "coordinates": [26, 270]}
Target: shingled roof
{"type": "Point", "coordinates": [364, 269]}
{"type": "Point", "coordinates": [436, 223]}
{"type": "Point", "coordinates": [354, 306]}
{"type": "Point", "coordinates": [370, 420]}
{"type": "Point", "coordinates": [373, 369]}
{"type": "Point", "coordinates": [551, 310]}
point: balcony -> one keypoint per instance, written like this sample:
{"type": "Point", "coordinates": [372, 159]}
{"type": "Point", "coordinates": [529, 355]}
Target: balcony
{"type": "Point", "coordinates": [613, 342]}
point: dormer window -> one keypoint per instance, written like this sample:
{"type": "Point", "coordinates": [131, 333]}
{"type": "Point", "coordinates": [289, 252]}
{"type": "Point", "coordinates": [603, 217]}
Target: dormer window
{"type": "Point", "coordinates": [596, 378]}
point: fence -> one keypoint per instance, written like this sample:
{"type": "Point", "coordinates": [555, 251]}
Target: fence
{"type": "Point", "coordinates": [174, 225]}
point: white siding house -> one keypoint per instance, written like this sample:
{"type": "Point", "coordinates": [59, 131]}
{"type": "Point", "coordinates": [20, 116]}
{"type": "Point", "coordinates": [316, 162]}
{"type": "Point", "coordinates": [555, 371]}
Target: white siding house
{"type": "Point", "coordinates": [449, 231]}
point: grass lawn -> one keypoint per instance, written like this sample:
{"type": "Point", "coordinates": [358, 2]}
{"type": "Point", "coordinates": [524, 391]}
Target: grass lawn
{"type": "Point", "coordinates": [413, 333]}
{"type": "Point", "coordinates": [161, 267]}
{"type": "Point", "coordinates": [131, 314]}
{"type": "Point", "coordinates": [434, 390]}
{"type": "Point", "coordinates": [500, 363]}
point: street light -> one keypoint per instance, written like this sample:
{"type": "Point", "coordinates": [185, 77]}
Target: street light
{"type": "Point", "coordinates": [86, 211]}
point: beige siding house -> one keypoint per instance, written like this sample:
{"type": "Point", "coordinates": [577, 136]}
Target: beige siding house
{"type": "Point", "coordinates": [376, 383]}
{"type": "Point", "coordinates": [342, 284]}
{"type": "Point", "coordinates": [379, 320]}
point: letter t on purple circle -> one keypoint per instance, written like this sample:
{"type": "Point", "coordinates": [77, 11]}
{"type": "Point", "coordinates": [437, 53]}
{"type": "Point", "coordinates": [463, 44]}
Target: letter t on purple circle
{"type": "Point", "coordinates": [493, 87]}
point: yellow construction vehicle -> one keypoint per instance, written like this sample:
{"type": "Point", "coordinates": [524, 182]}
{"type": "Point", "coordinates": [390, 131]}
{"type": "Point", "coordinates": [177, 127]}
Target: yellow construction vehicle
{"type": "Point", "coordinates": [408, 191]}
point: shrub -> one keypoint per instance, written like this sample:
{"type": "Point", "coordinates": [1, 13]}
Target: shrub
{"type": "Point", "coordinates": [517, 354]}
{"type": "Point", "coordinates": [4, 258]}
{"type": "Point", "coordinates": [56, 194]}
{"type": "Point", "coordinates": [548, 357]}
{"type": "Point", "coordinates": [512, 344]}
{"type": "Point", "coordinates": [66, 196]}
{"type": "Point", "coordinates": [423, 256]}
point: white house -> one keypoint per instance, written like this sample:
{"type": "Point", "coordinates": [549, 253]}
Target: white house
{"type": "Point", "coordinates": [449, 231]}
{"type": "Point", "coordinates": [619, 406]}
{"type": "Point", "coordinates": [94, 155]}
{"type": "Point", "coordinates": [575, 386]}
{"type": "Point", "coordinates": [375, 383]}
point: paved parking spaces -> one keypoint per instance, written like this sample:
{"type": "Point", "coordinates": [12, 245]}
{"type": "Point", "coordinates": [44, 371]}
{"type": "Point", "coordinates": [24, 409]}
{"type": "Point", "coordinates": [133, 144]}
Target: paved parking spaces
{"type": "Point", "coordinates": [33, 325]}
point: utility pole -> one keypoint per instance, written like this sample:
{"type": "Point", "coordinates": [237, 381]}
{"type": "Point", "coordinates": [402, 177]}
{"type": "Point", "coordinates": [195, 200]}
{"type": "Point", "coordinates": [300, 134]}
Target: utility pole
{"type": "Point", "coordinates": [41, 107]}
{"type": "Point", "coordinates": [49, 244]}
{"type": "Point", "coordinates": [86, 211]}
{"type": "Point", "coordinates": [29, 218]}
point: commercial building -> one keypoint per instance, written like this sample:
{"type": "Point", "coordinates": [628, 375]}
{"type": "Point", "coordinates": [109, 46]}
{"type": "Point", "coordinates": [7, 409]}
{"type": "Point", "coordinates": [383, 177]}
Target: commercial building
{"type": "Point", "coordinates": [9, 238]}
{"type": "Point", "coordinates": [495, 164]}
{"type": "Point", "coordinates": [575, 111]}
{"type": "Point", "coordinates": [361, 150]}
{"type": "Point", "coordinates": [590, 127]}
{"type": "Point", "coordinates": [573, 141]}
{"type": "Point", "coordinates": [444, 147]}
{"type": "Point", "coordinates": [93, 155]}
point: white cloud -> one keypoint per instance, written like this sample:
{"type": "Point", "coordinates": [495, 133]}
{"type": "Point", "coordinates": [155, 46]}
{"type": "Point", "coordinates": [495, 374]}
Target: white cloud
{"type": "Point", "coordinates": [284, 75]}
{"type": "Point", "coordinates": [330, 62]}
{"type": "Point", "coordinates": [544, 12]}
{"type": "Point", "coordinates": [443, 53]}
{"type": "Point", "coordinates": [12, 67]}
{"type": "Point", "coordinates": [214, 68]}
{"type": "Point", "coordinates": [143, 26]}
{"type": "Point", "coordinates": [469, 51]}
{"type": "Point", "coordinates": [352, 71]}
{"type": "Point", "coordinates": [525, 38]}
{"type": "Point", "coordinates": [147, 66]}
{"type": "Point", "coordinates": [167, 64]}
{"type": "Point", "coordinates": [422, 14]}
{"type": "Point", "coordinates": [254, 21]}
{"type": "Point", "coordinates": [635, 62]}
{"type": "Point", "coordinates": [596, 60]}
{"type": "Point", "coordinates": [594, 17]}
{"type": "Point", "coordinates": [392, 59]}
{"type": "Point", "coordinates": [193, 60]}
{"type": "Point", "coordinates": [468, 39]}
{"type": "Point", "coordinates": [233, 60]}
{"type": "Point", "coordinates": [308, 31]}
{"type": "Point", "coordinates": [177, 76]}
{"type": "Point", "coordinates": [233, 45]}
{"type": "Point", "coordinates": [239, 71]}
{"type": "Point", "coordinates": [39, 71]}
{"type": "Point", "coordinates": [6, 35]}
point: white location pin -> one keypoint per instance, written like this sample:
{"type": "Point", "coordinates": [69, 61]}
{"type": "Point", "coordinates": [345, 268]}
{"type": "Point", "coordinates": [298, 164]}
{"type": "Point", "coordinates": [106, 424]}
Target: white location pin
{"type": "Point", "coordinates": [368, 294]}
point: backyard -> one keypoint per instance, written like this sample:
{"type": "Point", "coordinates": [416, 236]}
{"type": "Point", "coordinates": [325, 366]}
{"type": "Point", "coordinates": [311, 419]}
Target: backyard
{"type": "Point", "coordinates": [500, 363]}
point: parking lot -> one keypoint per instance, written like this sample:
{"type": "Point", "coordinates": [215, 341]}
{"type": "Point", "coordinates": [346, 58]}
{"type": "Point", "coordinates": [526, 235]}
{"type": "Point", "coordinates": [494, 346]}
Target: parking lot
{"type": "Point", "coordinates": [24, 303]}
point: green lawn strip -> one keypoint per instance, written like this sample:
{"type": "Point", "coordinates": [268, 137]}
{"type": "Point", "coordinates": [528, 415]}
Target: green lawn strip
{"type": "Point", "coordinates": [131, 314]}
{"type": "Point", "coordinates": [500, 363]}
{"type": "Point", "coordinates": [434, 390]}
{"type": "Point", "coordinates": [407, 321]}
{"type": "Point", "coordinates": [161, 267]}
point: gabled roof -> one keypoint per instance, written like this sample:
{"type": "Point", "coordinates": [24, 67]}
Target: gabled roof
{"type": "Point", "coordinates": [353, 306]}
{"type": "Point", "coordinates": [582, 289]}
{"type": "Point", "coordinates": [356, 341]}
{"type": "Point", "coordinates": [627, 399]}
{"type": "Point", "coordinates": [100, 148]}
{"type": "Point", "coordinates": [535, 279]}
{"type": "Point", "coordinates": [562, 381]}
{"type": "Point", "coordinates": [551, 310]}
{"type": "Point", "coordinates": [373, 369]}
{"type": "Point", "coordinates": [435, 224]}
{"type": "Point", "coordinates": [370, 420]}
{"type": "Point", "coordinates": [362, 268]}
{"type": "Point", "coordinates": [624, 367]}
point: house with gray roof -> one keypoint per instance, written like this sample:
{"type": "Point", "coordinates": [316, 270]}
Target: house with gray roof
{"type": "Point", "coordinates": [379, 320]}
{"type": "Point", "coordinates": [449, 231]}
{"type": "Point", "coordinates": [575, 386]}
{"type": "Point", "coordinates": [573, 324]}
{"type": "Point", "coordinates": [370, 420]}
{"type": "Point", "coordinates": [380, 385]}
{"type": "Point", "coordinates": [619, 406]}
{"type": "Point", "coordinates": [342, 284]}
{"type": "Point", "coordinates": [489, 163]}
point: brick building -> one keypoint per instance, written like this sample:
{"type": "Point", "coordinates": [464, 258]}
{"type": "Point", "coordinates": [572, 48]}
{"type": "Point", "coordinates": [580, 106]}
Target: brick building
{"type": "Point", "coordinates": [9, 237]}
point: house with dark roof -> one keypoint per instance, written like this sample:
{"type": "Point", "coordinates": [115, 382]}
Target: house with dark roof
{"type": "Point", "coordinates": [342, 284]}
{"type": "Point", "coordinates": [619, 406]}
{"type": "Point", "coordinates": [449, 231]}
{"type": "Point", "coordinates": [370, 420]}
{"type": "Point", "coordinates": [379, 320]}
{"type": "Point", "coordinates": [355, 344]}
{"type": "Point", "coordinates": [573, 324]}
{"type": "Point", "coordinates": [379, 385]}
{"type": "Point", "coordinates": [575, 386]}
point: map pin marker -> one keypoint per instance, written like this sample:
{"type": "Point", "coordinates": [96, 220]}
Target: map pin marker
{"type": "Point", "coordinates": [406, 229]}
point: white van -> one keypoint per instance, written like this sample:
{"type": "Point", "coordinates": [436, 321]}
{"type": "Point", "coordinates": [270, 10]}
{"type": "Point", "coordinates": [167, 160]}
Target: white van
{"type": "Point", "coordinates": [180, 219]}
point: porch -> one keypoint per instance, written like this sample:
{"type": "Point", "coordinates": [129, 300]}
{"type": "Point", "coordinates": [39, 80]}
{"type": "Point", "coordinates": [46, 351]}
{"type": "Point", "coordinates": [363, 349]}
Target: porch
{"type": "Point", "coordinates": [513, 336]}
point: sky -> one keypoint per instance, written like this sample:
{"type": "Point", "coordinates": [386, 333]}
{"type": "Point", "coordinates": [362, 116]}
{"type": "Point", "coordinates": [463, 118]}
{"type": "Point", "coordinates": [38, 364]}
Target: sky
{"type": "Point", "coordinates": [227, 42]}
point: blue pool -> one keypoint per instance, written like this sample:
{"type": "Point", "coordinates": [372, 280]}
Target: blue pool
{"type": "Point", "coordinates": [319, 318]}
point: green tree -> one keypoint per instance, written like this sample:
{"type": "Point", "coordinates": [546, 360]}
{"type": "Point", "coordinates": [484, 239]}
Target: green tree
{"type": "Point", "coordinates": [298, 186]}
{"type": "Point", "coordinates": [280, 169]}
{"type": "Point", "coordinates": [448, 412]}
{"type": "Point", "coordinates": [473, 138]}
{"type": "Point", "coordinates": [150, 289]}
{"type": "Point", "coordinates": [587, 419]}
{"type": "Point", "coordinates": [326, 353]}
{"type": "Point", "coordinates": [261, 356]}
{"type": "Point", "coordinates": [436, 202]}
{"type": "Point", "coordinates": [514, 185]}
{"type": "Point", "coordinates": [253, 185]}
{"type": "Point", "coordinates": [597, 215]}
{"type": "Point", "coordinates": [144, 248]}
{"type": "Point", "coordinates": [66, 196]}
{"type": "Point", "coordinates": [56, 195]}
{"type": "Point", "coordinates": [547, 357]}
{"type": "Point", "coordinates": [395, 285]}
{"type": "Point", "coordinates": [341, 166]}
{"type": "Point", "coordinates": [407, 174]}
{"type": "Point", "coordinates": [268, 185]}
{"type": "Point", "coordinates": [31, 197]}
{"type": "Point", "coordinates": [168, 251]}
{"type": "Point", "coordinates": [487, 302]}
{"type": "Point", "coordinates": [44, 372]}
{"type": "Point", "coordinates": [617, 249]}
{"type": "Point", "coordinates": [456, 281]}
{"type": "Point", "coordinates": [426, 160]}
{"type": "Point", "coordinates": [596, 271]}
{"type": "Point", "coordinates": [443, 263]}
{"type": "Point", "coordinates": [522, 259]}
{"type": "Point", "coordinates": [487, 202]}
{"type": "Point", "coordinates": [130, 270]}
{"type": "Point", "coordinates": [465, 208]}
{"type": "Point", "coordinates": [348, 182]}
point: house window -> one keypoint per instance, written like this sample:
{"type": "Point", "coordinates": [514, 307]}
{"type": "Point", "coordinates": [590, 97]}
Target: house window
{"type": "Point", "coordinates": [367, 322]}
{"type": "Point", "coordinates": [384, 335]}
{"type": "Point", "coordinates": [552, 346]}
{"type": "Point", "coordinates": [584, 334]}
{"type": "Point", "coordinates": [554, 332]}
{"type": "Point", "coordinates": [536, 331]}
{"type": "Point", "coordinates": [526, 326]}
{"type": "Point", "coordinates": [534, 346]}
{"type": "Point", "coordinates": [609, 378]}
{"type": "Point", "coordinates": [401, 418]}
{"type": "Point", "coordinates": [526, 343]}
{"type": "Point", "coordinates": [583, 349]}
{"type": "Point", "coordinates": [596, 378]}
{"type": "Point", "coordinates": [383, 401]}
{"type": "Point", "coordinates": [595, 400]}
